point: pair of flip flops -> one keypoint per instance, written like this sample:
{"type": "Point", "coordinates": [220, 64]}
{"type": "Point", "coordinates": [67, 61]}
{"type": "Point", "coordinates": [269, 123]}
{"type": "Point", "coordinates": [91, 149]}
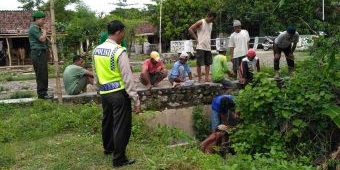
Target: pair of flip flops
{"type": "Point", "coordinates": [184, 84]}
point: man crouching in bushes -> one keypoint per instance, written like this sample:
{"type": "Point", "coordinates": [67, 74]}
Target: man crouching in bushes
{"type": "Point", "coordinates": [217, 142]}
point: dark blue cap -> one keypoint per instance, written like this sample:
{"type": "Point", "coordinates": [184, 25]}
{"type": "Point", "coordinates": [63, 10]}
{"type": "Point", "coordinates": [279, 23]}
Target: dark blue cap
{"type": "Point", "coordinates": [291, 30]}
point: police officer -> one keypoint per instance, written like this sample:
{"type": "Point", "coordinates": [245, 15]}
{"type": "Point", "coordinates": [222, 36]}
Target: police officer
{"type": "Point", "coordinates": [37, 35]}
{"type": "Point", "coordinates": [116, 87]}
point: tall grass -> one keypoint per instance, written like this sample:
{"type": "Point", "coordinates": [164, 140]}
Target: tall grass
{"type": "Point", "coordinates": [47, 135]}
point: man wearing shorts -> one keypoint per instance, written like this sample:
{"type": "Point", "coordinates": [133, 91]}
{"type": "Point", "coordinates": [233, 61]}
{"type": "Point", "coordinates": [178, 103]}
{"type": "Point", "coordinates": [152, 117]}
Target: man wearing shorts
{"type": "Point", "coordinates": [203, 47]}
{"type": "Point", "coordinates": [76, 77]}
{"type": "Point", "coordinates": [153, 71]}
{"type": "Point", "coordinates": [238, 44]}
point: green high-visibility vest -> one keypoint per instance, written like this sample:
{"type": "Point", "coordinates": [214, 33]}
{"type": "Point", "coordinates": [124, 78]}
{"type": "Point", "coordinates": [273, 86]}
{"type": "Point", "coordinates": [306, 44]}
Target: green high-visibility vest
{"type": "Point", "coordinates": [105, 62]}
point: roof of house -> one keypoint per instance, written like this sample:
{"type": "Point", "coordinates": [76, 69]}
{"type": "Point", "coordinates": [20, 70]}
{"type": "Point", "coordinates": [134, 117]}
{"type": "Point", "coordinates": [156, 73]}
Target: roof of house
{"type": "Point", "coordinates": [145, 28]}
{"type": "Point", "coordinates": [16, 23]}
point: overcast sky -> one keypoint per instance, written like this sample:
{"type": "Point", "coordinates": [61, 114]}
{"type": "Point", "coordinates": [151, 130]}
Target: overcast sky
{"type": "Point", "coordinates": [95, 5]}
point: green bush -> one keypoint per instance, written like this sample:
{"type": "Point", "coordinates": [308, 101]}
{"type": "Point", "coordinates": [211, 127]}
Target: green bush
{"type": "Point", "coordinates": [292, 120]}
{"type": "Point", "coordinates": [201, 123]}
{"type": "Point", "coordinates": [263, 162]}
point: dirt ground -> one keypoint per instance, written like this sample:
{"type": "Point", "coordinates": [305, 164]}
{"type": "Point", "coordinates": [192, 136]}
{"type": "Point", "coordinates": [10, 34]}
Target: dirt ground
{"type": "Point", "coordinates": [266, 59]}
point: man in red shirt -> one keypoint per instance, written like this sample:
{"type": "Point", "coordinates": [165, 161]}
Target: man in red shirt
{"type": "Point", "coordinates": [153, 71]}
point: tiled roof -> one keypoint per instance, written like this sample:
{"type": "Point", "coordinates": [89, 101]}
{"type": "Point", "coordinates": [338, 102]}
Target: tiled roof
{"type": "Point", "coordinates": [145, 28]}
{"type": "Point", "coordinates": [18, 22]}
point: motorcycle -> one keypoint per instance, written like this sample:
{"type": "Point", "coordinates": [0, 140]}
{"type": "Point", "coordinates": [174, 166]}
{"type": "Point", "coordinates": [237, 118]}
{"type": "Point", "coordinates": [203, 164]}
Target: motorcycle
{"type": "Point", "coordinates": [269, 42]}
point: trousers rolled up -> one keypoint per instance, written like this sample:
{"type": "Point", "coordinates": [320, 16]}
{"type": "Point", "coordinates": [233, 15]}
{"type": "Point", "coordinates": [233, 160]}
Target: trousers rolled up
{"type": "Point", "coordinates": [116, 124]}
{"type": "Point", "coordinates": [39, 60]}
{"type": "Point", "coordinates": [290, 63]}
{"type": "Point", "coordinates": [286, 51]}
{"type": "Point", "coordinates": [182, 75]}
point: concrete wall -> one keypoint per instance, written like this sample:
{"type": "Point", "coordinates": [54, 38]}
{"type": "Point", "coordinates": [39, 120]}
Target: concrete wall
{"type": "Point", "coordinates": [180, 97]}
{"type": "Point", "coordinates": [173, 106]}
{"type": "Point", "coordinates": [178, 118]}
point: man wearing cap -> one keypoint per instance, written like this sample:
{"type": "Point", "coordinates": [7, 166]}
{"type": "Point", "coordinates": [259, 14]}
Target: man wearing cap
{"type": "Point", "coordinates": [153, 71]}
{"type": "Point", "coordinates": [284, 42]}
{"type": "Point", "coordinates": [116, 88]}
{"type": "Point", "coordinates": [203, 46]}
{"type": "Point", "coordinates": [37, 35]}
{"type": "Point", "coordinates": [238, 44]}
{"type": "Point", "coordinates": [76, 77]}
{"type": "Point", "coordinates": [180, 70]}
{"type": "Point", "coordinates": [217, 141]}
{"type": "Point", "coordinates": [248, 67]}
{"type": "Point", "coordinates": [219, 67]}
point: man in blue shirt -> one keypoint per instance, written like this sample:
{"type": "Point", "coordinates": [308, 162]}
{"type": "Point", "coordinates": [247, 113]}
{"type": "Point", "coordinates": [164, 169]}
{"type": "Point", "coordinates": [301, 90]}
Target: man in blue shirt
{"type": "Point", "coordinates": [223, 111]}
{"type": "Point", "coordinates": [180, 70]}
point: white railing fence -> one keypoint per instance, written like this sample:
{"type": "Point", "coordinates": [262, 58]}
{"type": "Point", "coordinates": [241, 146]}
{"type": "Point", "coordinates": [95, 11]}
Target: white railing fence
{"type": "Point", "coordinates": [178, 46]}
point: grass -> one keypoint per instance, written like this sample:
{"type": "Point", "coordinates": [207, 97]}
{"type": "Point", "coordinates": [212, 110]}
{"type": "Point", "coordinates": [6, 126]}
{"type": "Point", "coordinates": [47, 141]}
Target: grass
{"type": "Point", "coordinates": [11, 76]}
{"type": "Point", "coordinates": [47, 135]}
{"type": "Point", "coordinates": [2, 88]}
{"type": "Point", "coordinates": [139, 58]}
{"type": "Point", "coordinates": [8, 76]}
{"type": "Point", "coordinates": [21, 94]}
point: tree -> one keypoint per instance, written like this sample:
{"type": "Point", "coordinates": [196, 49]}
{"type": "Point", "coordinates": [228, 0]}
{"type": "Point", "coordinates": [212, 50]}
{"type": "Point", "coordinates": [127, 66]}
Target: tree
{"type": "Point", "coordinates": [130, 21]}
{"type": "Point", "coordinates": [60, 5]}
{"type": "Point", "coordinates": [62, 14]}
{"type": "Point", "coordinates": [178, 16]}
{"type": "Point", "coordinates": [31, 4]}
{"type": "Point", "coordinates": [82, 25]}
{"type": "Point", "coordinates": [269, 15]}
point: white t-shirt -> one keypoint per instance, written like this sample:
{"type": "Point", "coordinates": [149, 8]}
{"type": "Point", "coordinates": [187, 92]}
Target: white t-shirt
{"type": "Point", "coordinates": [240, 43]}
{"type": "Point", "coordinates": [251, 64]}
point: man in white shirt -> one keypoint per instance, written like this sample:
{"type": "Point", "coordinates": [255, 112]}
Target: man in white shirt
{"type": "Point", "coordinates": [238, 44]}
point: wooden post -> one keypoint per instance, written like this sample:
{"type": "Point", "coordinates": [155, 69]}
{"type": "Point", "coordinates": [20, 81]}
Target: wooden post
{"type": "Point", "coordinates": [9, 52]}
{"type": "Point", "coordinates": [55, 53]}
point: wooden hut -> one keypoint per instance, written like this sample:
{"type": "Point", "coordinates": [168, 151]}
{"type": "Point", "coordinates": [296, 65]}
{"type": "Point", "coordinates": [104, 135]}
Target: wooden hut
{"type": "Point", "coordinates": [14, 43]}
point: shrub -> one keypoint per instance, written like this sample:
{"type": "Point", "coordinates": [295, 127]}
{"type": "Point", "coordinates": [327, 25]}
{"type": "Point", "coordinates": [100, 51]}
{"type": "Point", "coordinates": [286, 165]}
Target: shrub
{"type": "Point", "coordinates": [292, 120]}
{"type": "Point", "coordinates": [201, 123]}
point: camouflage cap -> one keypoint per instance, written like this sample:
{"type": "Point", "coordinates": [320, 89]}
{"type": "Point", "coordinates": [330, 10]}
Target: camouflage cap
{"type": "Point", "coordinates": [39, 14]}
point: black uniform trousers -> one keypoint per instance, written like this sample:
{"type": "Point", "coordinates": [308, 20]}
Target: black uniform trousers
{"type": "Point", "coordinates": [39, 59]}
{"type": "Point", "coordinates": [116, 123]}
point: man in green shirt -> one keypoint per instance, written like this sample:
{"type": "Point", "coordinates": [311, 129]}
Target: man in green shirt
{"type": "Point", "coordinates": [38, 42]}
{"type": "Point", "coordinates": [76, 78]}
{"type": "Point", "coordinates": [219, 67]}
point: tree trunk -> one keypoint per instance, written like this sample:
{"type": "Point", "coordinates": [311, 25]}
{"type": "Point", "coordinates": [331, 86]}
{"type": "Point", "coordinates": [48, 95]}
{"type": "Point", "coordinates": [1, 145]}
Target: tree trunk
{"type": "Point", "coordinates": [55, 53]}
